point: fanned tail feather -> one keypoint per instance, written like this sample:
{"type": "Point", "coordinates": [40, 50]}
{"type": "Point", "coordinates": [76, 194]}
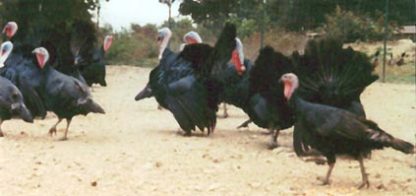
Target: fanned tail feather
{"type": "Point", "coordinates": [331, 74]}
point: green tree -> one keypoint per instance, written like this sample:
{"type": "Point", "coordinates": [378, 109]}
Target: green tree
{"type": "Point", "coordinates": [212, 14]}
{"type": "Point", "coordinates": [47, 20]}
{"type": "Point", "coordinates": [293, 14]}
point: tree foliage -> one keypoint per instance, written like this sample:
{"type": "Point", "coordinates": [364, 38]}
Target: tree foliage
{"type": "Point", "coordinates": [293, 14]}
{"type": "Point", "coordinates": [349, 27]}
{"type": "Point", "coordinates": [49, 20]}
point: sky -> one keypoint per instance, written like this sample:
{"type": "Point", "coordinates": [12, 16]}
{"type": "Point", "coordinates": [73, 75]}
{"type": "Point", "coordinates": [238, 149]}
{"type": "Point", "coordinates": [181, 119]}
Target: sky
{"type": "Point", "coordinates": [121, 13]}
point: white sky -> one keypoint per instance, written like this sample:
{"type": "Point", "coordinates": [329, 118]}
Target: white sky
{"type": "Point", "coordinates": [121, 13]}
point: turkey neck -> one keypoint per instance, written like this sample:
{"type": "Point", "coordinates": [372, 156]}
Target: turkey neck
{"type": "Point", "coordinates": [295, 103]}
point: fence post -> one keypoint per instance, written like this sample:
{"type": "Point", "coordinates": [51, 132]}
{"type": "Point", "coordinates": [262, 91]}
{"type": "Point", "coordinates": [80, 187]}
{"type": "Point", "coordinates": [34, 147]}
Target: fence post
{"type": "Point", "coordinates": [386, 15]}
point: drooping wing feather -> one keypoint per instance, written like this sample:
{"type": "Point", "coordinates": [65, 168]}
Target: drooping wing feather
{"type": "Point", "coordinates": [25, 75]}
{"type": "Point", "coordinates": [33, 99]}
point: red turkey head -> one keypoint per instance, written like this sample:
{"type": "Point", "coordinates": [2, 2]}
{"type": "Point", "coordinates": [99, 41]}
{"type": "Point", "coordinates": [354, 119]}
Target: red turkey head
{"type": "Point", "coordinates": [291, 83]}
{"type": "Point", "coordinates": [237, 57]}
{"type": "Point", "coordinates": [108, 40]}
{"type": "Point", "coordinates": [5, 50]}
{"type": "Point", "coordinates": [192, 37]}
{"type": "Point", "coordinates": [10, 29]}
{"type": "Point", "coordinates": [42, 56]}
{"type": "Point", "coordinates": [163, 38]}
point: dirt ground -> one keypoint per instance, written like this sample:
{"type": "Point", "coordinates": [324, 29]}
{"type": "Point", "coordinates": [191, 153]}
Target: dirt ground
{"type": "Point", "coordinates": [134, 149]}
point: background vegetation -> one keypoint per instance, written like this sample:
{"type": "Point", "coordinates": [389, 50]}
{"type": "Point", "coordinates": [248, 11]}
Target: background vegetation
{"type": "Point", "coordinates": [286, 23]}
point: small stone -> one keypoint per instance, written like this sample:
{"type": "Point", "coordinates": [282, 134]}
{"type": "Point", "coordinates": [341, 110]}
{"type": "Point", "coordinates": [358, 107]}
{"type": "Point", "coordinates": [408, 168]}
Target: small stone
{"type": "Point", "coordinates": [377, 175]}
{"type": "Point", "coordinates": [94, 183]}
{"type": "Point", "coordinates": [380, 186]}
{"type": "Point", "coordinates": [158, 164]}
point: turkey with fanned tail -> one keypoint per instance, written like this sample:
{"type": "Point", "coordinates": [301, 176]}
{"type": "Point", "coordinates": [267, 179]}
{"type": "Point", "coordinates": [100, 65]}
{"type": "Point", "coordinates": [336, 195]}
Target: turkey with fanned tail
{"type": "Point", "coordinates": [329, 74]}
{"type": "Point", "coordinates": [334, 131]}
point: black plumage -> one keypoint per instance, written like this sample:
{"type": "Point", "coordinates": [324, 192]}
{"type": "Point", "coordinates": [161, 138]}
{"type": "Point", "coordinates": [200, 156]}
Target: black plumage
{"type": "Point", "coordinates": [188, 84]}
{"type": "Point", "coordinates": [168, 58]}
{"type": "Point", "coordinates": [11, 99]}
{"type": "Point", "coordinates": [22, 70]}
{"type": "Point", "coordinates": [11, 103]}
{"type": "Point", "coordinates": [236, 86]}
{"type": "Point", "coordinates": [267, 106]}
{"type": "Point", "coordinates": [332, 75]}
{"type": "Point", "coordinates": [88, 53]}
{"type": "Point", "coordinates": [65, 95]}
{"type": "Point", "coordinates": [334, 131]}
{"type": "Point", "coordinates": [329, 74]}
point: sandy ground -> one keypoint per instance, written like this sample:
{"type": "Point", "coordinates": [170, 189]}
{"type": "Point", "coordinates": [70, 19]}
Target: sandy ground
{"type": "Point", "coordinates": [135, 150]}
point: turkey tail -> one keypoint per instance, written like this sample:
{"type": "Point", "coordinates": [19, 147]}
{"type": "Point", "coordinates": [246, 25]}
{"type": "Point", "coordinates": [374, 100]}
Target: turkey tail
{"type": "Point", "coordinates": [330, 74]}
{"type": "Point", "coordinates": [265, 75]}
{"type": "Point", "coordinates": [380, 136]}
{"type": "Point", "coordinates": [403, 146]}
{"type": "Point", "coordinates": [223, 49]}
{"type": "Point", "coordinates": [83, 38]}
{"type": "Point", "coordinates": [208, 61]}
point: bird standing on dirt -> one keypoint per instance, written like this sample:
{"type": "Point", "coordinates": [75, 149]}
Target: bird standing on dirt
{"type": "Point", "coordinates": [333, 131]}
{"type": "Point", "coordinates": [166, 55]}
{"type": "Point", "coordinates": [329, 75]}
{"type": "Point", "coordinates": [64, 95]}
{"type": "Point", "coordinates": [186, 86]}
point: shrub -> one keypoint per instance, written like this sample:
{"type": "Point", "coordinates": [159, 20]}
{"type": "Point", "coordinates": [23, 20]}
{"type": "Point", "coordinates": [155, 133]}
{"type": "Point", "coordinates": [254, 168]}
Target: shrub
{"type": "Point", "coordinates": [350, 27]}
